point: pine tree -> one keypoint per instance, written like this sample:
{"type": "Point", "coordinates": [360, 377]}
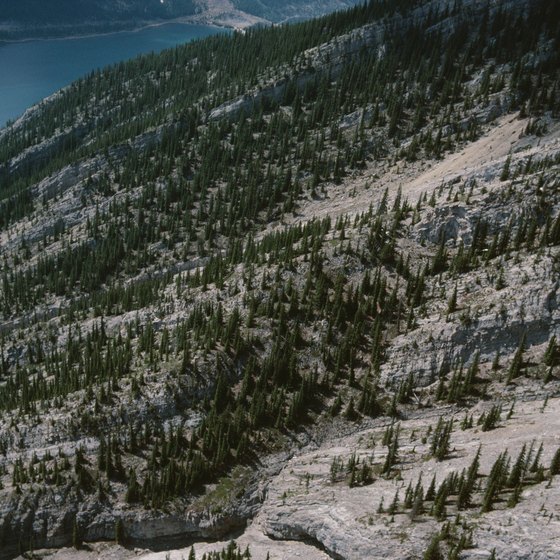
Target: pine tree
{"type": "Point", "coordinates": [439, 506]}
{"type": "Point", "coordinates": [496, 480]}
{"type": "Point", "coordinates": [441, 438]}
{"type": "Point", "coordinates": [392, 451]}
{"type": "Point", "coordinates": [394, 505]}
{"type": "Point", "coordinates": [506, 169]}
{"type": "Point", "coordinates": [490, 418]}
{"type": "Point", "coordinates": [517, 363]}
{"type": "Point", "coordinates": [418, 500]}
{"type": "Point", "coordinates": [76, 536]}
{"type": "Point", "coordinates": [433, 552]}
{"type": "Point", "coordinates": [555, 463]}
{"type": "Point", "coordinates": [452, 302]}
{"type": "Point", "coordinates": [518, 469]}
{"type": "Point", "coordinates": [431, 491]}
{"type": "Point", "coordinates": [515, 497]}
{"type": "Point", "coordinates": [552, 353]}
{"type": "Point", "coordinates": [464, 498]}
{"type": "Point", "coordinates": [119, 531]}
{"type": "Point", "coordinates": [133, 488]}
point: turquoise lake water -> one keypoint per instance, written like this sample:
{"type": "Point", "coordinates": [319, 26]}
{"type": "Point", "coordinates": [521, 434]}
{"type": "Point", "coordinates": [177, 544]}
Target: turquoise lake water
{"type": "Point", "coordinates": [33, 70]}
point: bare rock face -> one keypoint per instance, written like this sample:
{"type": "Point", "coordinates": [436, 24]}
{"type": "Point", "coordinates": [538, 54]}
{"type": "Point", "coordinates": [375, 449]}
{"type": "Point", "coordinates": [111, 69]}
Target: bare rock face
{"type": "Point", "coordinates": [53, 524]}
{"type": "Point", "coordinates": [43, 152]}
{"type": "Point", "coordinates": [304, 504]}
{"type": "Point", "coordinates": [329, 519]}
{"type": "Point", "coordinates": [449, 223]}
{"type": "Point", "coordinates": [488, 321]}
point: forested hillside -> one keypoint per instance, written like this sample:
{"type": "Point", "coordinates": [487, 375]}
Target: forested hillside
{"type": "Point", "coordinates": [265, 268]}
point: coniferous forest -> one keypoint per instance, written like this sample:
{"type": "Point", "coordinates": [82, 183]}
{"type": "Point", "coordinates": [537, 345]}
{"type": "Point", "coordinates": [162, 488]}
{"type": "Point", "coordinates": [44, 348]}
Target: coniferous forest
{"type": "Point", "coordinates": [182, 298]}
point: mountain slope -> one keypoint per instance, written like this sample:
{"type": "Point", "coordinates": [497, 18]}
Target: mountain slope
{"type": "Point", "coordinates": [257, 277]}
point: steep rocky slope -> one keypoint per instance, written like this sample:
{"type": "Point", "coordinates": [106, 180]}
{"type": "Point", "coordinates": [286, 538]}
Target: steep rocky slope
{"type": "Point", "coordinates": [248, 284]}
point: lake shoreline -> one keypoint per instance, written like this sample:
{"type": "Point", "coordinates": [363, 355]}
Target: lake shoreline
{"type": "Point", "coordinates": [227, 24]}
{"type": "Point", "coordinates": [34, 70]}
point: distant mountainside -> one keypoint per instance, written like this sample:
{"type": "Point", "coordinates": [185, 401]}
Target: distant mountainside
{"type": "Point", "coordinates": [74, 11]}
{"type": "Point", "coordinates": [275, 11]}
{"type": "Point", "coordinates": [37, 18]}
{"type": "Point", "coordinates": [55, 18]}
